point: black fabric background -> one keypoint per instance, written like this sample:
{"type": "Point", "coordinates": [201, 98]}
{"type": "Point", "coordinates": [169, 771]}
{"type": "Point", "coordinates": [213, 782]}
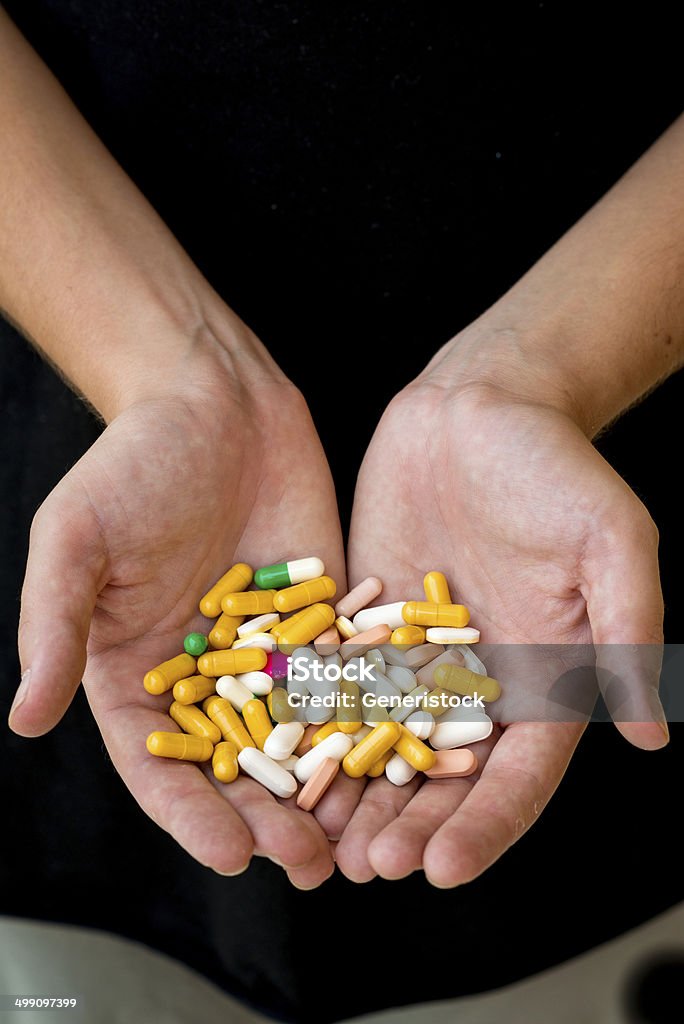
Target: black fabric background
{"type": "Point", "coordinates": [361, 179]}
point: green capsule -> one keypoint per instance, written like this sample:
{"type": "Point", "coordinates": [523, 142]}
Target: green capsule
{"type": "Point", "coordinates": [195, 644]}
{"type": "Point", "coordinates": [288, 574]}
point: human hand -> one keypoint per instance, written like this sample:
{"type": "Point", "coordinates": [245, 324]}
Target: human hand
{"type": "Point", "coordinates": [546, 544]}
{"type": "Point", "coordinates": [178, 487]}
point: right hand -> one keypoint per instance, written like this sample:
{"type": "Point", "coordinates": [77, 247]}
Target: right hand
{"type": "Point", "coordinates": [176, 489]}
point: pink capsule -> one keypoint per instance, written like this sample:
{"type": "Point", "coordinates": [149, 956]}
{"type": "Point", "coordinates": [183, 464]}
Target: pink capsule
{"type": "Point", "coordinates": [276, 665]}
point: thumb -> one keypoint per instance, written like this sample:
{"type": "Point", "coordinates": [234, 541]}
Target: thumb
{"type": "Point", "coordinates": [66, 562]}
{"type": "Point", "coordinates": [625, 609]}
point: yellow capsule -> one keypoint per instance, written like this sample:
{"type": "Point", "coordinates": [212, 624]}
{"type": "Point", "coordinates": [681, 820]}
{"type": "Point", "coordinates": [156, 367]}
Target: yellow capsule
{"type": "Point", "coordinates": [378, 768]}
{"type": "Point", "coordinates": [427, 613]}
{"type": "Point", "coordinates": [408, 636]}
{"type": "Point", "coordinates": [222, 634]}
{"type": "Point", "coordinates": [349, 711]}
{"type": "Point", "coordinates": [418, 754]}
{"type": "Point", "coordinates": [279, 707]}
{"type": "Point", "coordinates": [194, 721]}
{"type": "Point", "coordinates": [224, 761]}
{"type": "Point", "coordinates": [257, 720]}
{"type": "Point", "coordinates": [230, 663]}
{"type": "Point", "coordinates": [223, 714]}
{"type": "Point", "coordinates": [164, 676]}
{"type": "Point", "coordinates": [304, 594]}
{"type": "Point", "coordinates": [251, 602]}
{"type": "Point", "coordinates": [281, 626]}
{"type": "Point", "coordinates": [179, 746]}
{"type": "Point", "coordinates": [436, 701]}
{"type": "Point", "coordinates": [364, 755]}
{"type": "Point", "coordinates": [467, 683]}
{"type": "Point", "coordinates": [236, 579]}
{"type": "Point", "coordinates": [315, 619]}
{"type": "Point", "coordinates": [345, 627]}
{"type": "Point", "coordinates": [194, 689]}
{"type": "Point", "coordinates": [436, 588]}
{"type": "Point", "coordinates": [322, 734]}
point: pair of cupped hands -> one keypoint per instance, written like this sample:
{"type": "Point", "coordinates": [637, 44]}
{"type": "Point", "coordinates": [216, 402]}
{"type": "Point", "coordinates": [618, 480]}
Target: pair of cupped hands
{"type": "Point", "coordinates": [477, 468]}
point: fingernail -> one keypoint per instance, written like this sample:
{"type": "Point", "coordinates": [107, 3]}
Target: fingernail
{"type": "Point", "coordinates": [22, 692]}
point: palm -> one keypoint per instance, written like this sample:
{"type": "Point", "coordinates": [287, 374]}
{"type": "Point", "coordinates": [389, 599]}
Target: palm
{"type": "Point", "coordinates": [168, 497]}
{"type": "Point", "coordinates": [507, 499]}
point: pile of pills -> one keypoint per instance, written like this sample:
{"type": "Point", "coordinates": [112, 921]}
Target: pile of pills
{"type": "Point", "coordinates": [289, 689]}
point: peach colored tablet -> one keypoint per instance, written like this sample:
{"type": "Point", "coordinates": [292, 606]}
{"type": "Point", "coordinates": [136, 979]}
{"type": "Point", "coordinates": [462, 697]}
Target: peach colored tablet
{"type": "Point", "coordinates": [452, 764]}
{"type": "Point", "coordinates": [318, 784]}
{"type": "Point", "coordinates": [364, 642]}
{"type": "Point", "coordinates": [328, 641]}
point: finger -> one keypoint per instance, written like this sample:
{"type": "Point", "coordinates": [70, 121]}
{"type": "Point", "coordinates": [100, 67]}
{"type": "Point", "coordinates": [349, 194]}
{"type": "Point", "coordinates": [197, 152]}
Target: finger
{"type": "Point", "coordinates": [66, 562]}
{"type": "Point", "coordinates": [380, 804]}
{"type": "Point", "coordinates": [176, 795]}
{"type": "Point", "coordinates": [280, 832]}
{"type": "Point", "coordinates": [517, 782]}
{"type": "Point", "coordinates": [321, 867]}
{"type": "Point", "coordinates": [625, 607]}
{"type": "Point", "coordinates": [336, 807]}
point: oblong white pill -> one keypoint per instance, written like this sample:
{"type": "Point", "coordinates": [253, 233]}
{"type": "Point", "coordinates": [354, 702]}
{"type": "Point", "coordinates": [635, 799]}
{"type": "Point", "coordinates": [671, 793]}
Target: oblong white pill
{"type": "Point", "coordinates": [264, 641]}
{"type": "Point", "coordinates": [234, 690]}
{"type": "Point", "coordinates": [410, 704]}
{"type": "Point", "coordinates": [382, 615]}
{"type": "Point", "coordinates": [289, 763]}
{"type": "Point", "coordinates": [375, 657]}
{"type": "Point", "coordinates": [399, 771]}
{"type": "Point", "coordinates": [361, 595]}
{"type": "Point", "coordinates": [452, 635]}
{"type": "Point", "coordinates": [260, 683]}
{"type": "Point", "coordinates": [402, 677]}
{"type": "Point", "coordinates": [473, 662]}
{"type": "Point", "coordinates": [283, 740]}
{"type": "Point", "coordinates": [448, 735]}
{"type": "Point", "coordinates": [266, 771]}
{"type": "Point", "coordinates": [421, 724]}
{"type": "Point", "coordinates": [335, 746]}
{"type": "Point", "coordinates": [259, 624]}
{"type": "Point", "coordinates": [304, 569]}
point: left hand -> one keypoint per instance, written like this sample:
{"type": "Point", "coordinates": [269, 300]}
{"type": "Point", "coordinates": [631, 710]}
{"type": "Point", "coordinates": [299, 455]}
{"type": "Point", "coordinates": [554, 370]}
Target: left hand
{"type": "Point", "coordinates": [545, 544]}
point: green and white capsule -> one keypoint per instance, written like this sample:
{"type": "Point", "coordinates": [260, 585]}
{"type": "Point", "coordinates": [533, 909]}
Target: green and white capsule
{"type": "Point", "coordinates": [288, 574]}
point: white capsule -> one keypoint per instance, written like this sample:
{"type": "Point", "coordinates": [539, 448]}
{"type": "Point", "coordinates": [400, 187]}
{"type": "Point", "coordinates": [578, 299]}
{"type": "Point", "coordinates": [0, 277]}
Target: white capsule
{"type": "Point", "coordinates": [411, 702]}
{"type": "Point", "coordinates": [264, 641]}
{"type": "Point", "coordinates": [382, 615]}
{"type": "Point", "coordinates": [403, 678]}
{"type": "Point", "coordinates": [266, 771]}
{"type": "Point", "coordinates": [376, 659]}
{"type": "Point", "coordinates": [260, 683]}
{"type": "Point", "coordinates": [234, 690]}
{"type": "Point", "coordinates": [450, 734]}
{"type": "Point", "coordinates": [283, 740]}
{"type": "Point", "coordinates": [399, 771]}
{"type": "Point", "coordinates": [421, 724]}
{"type": "Point", "coordinates": [360, 734]}
{"type": "Point", "coordinates": [304, 569]}
{"type": "Point", "coordinates": [259, 624]}
{"type": "Point", "coordinates": [336, 746]}
{"type": "Point", "coordinates": [452, 635]}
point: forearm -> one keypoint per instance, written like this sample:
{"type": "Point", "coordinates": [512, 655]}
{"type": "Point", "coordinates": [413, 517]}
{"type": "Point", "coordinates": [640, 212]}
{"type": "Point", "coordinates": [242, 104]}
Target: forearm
{"type": "Point", "coordinates": [599, 320]}
{"type": "Point", "coordinates": [87, 269]}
